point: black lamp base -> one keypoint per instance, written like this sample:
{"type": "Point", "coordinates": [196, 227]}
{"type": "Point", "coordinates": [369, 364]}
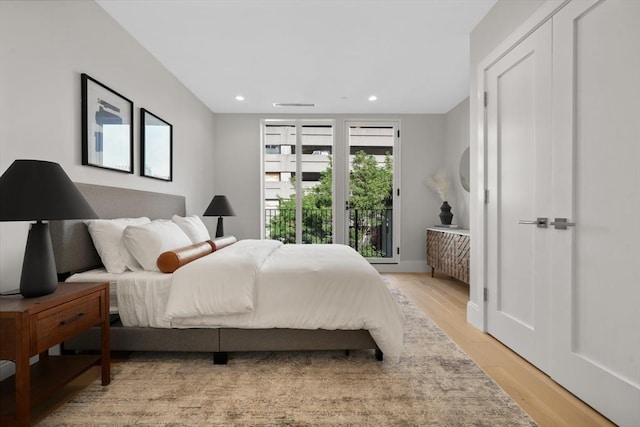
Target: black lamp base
{"type": "Point", "coordinates": [220, 228]}
{"type": "Point", "coordinates": [39, 275]}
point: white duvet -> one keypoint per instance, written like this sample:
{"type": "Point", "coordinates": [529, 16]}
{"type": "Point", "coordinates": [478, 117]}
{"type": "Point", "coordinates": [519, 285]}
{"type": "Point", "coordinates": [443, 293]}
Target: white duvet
{"type": "Point", "coordinates": [264, 284]}
{"type": "Point", "coordinates": [220, 284]}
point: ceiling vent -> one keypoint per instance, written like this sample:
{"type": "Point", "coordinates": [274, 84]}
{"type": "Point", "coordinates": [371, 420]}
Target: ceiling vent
{"type": "Point", "coordinates": [292, 104]}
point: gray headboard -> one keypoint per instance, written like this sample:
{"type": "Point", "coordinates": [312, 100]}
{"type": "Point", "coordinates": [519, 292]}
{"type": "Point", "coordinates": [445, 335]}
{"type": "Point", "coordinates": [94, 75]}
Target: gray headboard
{"type": "Point", "coordinates": [72, 245]}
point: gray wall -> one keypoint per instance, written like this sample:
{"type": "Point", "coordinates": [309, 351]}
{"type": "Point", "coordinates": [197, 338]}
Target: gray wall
{"type": "Point", "coordinates": [457, 141]}
{"type": "Point", "coordinates": [504, 18]}
{"type": "Point", "coordinates": [237, 175]}
{"type": "Point", "coordinates": [44, 47]}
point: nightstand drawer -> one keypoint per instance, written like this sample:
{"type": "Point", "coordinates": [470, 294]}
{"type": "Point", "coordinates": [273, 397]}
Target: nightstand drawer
{"type": "Point", "coordinates": [65, 321]}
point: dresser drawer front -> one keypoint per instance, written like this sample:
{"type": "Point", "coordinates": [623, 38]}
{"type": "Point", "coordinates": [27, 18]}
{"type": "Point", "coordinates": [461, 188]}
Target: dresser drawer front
{"type": "Point", "coordinates": [65, 321]}
{"type": "Point", "coordinates": [448, 253]}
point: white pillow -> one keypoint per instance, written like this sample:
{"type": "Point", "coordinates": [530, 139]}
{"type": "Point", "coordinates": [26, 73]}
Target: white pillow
{"type": "Point", "coordinates": [107, 239]}
{"type": "Point", "coordinates": [147, 242]}
{"type": "Point", "coordinates": [193, 227]}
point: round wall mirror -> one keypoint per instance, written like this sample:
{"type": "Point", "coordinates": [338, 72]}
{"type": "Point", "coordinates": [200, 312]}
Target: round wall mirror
{"type": "Point", "coordinates": [465, 170]}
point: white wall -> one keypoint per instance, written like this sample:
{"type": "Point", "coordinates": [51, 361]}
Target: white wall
{"type": "Point", "coordinates": [237, 175]}
{"type": "Point", "coordinates": [457, 141]}
{"type": "Point", "coordinates": [501, 21]}
{"type": "Point", "coordinates": [44, 47]}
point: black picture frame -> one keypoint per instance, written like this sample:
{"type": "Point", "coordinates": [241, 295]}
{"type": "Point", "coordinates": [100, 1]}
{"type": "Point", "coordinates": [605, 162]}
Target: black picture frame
{"type": "Point", "coordinates": [156, 147]}
{"type": "Point", "coordinates": [107, 127]}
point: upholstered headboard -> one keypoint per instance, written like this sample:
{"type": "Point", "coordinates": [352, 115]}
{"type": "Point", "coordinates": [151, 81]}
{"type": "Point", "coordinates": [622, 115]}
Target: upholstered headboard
{"type": "Point", "coordinates": [72, 244]}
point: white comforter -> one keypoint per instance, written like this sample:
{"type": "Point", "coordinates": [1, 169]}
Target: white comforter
{"type": "Point", "coordinates": [264, 284]}
{"type": "Point", "coordinates": [220, 284]}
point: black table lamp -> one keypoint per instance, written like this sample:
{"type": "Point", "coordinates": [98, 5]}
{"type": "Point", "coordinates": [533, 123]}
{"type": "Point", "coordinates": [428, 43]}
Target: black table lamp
{"type": "Point", "coordinates": [219, 207]}
{"type": "Point", "coordinates": [38, 190]}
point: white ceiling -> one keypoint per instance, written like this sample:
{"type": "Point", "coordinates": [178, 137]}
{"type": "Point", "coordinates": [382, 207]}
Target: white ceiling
{"type": "Point", "coordinates": [412, 54]}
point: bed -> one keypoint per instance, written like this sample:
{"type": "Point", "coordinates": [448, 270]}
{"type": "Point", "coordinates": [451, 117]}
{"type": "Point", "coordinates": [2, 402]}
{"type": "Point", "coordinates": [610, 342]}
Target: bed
{"type": "Point", "coordinates": [232, 332]}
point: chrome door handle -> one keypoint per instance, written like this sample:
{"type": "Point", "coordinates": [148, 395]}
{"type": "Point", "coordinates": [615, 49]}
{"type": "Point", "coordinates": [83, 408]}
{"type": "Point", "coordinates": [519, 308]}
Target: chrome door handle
{"type": "Point", "coordinates": [540, 222]}
{"type": "Point", "coordinates": [562, 224]}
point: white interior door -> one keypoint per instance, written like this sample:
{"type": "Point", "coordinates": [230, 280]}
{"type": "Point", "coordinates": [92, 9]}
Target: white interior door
{"type": "Point", "coordinates": [596, 177]}
{"type": "Point", "coordinates": [518, 179]}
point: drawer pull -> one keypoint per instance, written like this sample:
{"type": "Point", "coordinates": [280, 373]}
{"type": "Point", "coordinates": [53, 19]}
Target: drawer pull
{"type": "Point", "coordinates": [73, 319]}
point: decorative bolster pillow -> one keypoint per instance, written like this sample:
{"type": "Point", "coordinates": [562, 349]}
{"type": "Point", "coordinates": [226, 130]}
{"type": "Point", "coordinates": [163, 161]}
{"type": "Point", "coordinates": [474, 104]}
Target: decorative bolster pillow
{"type": "Point", "coordinates": [170, 261]}
{"type": "Point", "coordinates": [221, 242]}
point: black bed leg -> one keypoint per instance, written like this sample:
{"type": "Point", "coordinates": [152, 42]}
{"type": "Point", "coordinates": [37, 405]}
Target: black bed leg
{"type": "Point", "coordinates": [346, 352]}
{"type": "Point", "coordinates": [379, 355]}
{"type": "Point", "coordinates": [220, 358]}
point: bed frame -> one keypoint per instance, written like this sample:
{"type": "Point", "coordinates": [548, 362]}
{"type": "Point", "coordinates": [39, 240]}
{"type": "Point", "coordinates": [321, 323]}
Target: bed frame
{"type": "Point", "coordinates": [74, 252]}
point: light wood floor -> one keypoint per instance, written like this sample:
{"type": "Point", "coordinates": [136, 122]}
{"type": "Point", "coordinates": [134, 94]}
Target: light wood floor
{"type": "Point", "coordinates": [444, 300]}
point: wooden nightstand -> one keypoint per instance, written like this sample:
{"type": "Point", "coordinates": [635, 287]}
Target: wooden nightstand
{"type": "Point", "coordinates": [31, 326]}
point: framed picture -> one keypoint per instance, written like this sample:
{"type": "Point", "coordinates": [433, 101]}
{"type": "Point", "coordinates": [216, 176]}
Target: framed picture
{"type": "Point", "coordinates": [107, 127]}
{"type": "Point", "coordinates": [156, 146]}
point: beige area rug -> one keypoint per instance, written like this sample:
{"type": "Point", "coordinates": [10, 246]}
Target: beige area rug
{"type": "Point", "coordinates": [434, 384]}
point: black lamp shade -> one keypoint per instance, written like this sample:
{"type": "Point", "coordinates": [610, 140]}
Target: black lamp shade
{"type": "Point", "coordinates": [219, 207]}
{"type": "Point", "coordinates": [39, 190]}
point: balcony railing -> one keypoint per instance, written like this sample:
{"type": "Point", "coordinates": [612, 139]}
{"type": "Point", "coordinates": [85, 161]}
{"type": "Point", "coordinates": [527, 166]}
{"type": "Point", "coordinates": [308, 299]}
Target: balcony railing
{"type": "Point", "coordinates": [370, 231]}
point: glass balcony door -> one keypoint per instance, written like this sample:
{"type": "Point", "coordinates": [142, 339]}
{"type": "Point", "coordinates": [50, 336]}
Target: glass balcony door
{"type": "Point", "coordinates": [298, 190]}
{"type": "Point", "coordinates": [308, 183]}
{"type": "Point", "coordinates": [373, 214]}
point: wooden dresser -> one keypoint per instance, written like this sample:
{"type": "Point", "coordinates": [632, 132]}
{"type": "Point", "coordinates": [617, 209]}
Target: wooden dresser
{"type": "Point", "coordinates": [448, 252]}
{"type": "Point", "coordinates": [30, 326]}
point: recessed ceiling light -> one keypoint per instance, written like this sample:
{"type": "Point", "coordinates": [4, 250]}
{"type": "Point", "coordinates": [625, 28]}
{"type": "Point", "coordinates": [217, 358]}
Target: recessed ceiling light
{"type": "Point", "coordinates": [239, 98]}
{"type": "Point", "coordinates": [373, 98]}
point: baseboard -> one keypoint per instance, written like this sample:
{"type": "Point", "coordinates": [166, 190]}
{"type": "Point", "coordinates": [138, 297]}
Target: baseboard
{"type": "Point", "coordinates": [6, 369]}
{"type": "Point", "coordinates": [403, 267]}
{"type": "Point", "coordinates": [474, 315]}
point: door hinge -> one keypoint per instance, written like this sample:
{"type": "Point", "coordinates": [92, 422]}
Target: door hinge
{"type": "Point", "coordinates": [398, 192]}
{"type": "Point", "coordinates": [486, 294]}
{"type": "Point", "coordinates": [398, 250]}
{"type": "Point", "coordinates": [486, 197]}
{"type": "Point", "coordinates": [398, 133]}
{"type": "Point", "coordinates": [486, 99]}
